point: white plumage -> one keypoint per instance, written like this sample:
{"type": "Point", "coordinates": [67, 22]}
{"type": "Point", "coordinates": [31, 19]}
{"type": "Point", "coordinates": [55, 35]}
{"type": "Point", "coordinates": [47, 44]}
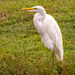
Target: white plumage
{"type": "Point", "coordinates": [49, 30]}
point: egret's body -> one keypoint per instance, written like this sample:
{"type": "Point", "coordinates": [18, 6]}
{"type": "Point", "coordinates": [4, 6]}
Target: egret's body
{"type": "Point", "coordinates": [49, 30]}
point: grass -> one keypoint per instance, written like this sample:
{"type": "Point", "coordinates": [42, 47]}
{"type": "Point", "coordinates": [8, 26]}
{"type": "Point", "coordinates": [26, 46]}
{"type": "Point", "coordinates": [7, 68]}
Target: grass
{"type": "Point", "coordinates": [21, 49]}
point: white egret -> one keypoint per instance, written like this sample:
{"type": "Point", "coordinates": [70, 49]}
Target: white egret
{"type": "Point", "coordinates": [48, 29]}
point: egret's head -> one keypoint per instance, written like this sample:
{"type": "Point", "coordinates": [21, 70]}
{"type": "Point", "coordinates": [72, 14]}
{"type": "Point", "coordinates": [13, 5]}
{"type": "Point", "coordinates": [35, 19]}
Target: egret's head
{"type": "Point", "coordinates": [38, 9]}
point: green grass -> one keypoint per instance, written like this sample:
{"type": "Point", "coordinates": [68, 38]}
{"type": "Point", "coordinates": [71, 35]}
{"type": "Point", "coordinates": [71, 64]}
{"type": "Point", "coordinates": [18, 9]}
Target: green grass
{"type": "Point", "coordinates": [21, 49]}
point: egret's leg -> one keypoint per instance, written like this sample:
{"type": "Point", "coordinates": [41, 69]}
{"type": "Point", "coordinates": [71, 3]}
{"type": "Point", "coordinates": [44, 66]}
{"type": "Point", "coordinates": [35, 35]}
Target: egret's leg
{"type": "Point", "coordinates": [53, 61]}
{"type": "Point", "coordinates": [52, 58]}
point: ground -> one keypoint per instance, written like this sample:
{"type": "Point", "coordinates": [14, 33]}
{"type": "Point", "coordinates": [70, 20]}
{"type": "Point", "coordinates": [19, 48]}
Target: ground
{"type": "Point", "coordinates": [21, 49]}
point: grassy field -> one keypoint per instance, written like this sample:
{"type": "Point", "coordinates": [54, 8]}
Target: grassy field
{"type": "Point", "coordinates": [21, 49]}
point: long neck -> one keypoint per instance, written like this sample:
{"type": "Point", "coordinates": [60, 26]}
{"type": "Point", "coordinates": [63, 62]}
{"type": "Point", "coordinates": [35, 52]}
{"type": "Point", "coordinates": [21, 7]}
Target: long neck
{"type": "Point", "coordinates": [43, 14]}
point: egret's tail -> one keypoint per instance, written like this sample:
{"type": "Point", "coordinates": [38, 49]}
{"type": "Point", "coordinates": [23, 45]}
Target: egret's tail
{"type": "Point", "coordinates": [59, 54]}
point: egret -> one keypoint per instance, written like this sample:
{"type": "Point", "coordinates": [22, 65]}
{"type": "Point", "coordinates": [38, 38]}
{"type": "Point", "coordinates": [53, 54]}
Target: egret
{"type": "Point", "coordinates": [49, 30]}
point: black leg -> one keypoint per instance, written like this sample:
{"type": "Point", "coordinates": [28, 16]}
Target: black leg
{"type": "Point", "coordinates": [53, 61]}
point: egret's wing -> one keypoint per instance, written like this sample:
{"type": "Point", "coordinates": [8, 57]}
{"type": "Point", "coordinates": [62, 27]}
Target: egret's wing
{"type": "Point", "coordinates": [54, 33]}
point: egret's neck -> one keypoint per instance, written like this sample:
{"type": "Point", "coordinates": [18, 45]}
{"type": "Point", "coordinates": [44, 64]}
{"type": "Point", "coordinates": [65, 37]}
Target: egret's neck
{"type": "Point", "coordinates": [43, 14]}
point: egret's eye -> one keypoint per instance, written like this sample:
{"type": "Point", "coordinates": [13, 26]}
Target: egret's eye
{"type": "Point", "coordinates": [35, 8]}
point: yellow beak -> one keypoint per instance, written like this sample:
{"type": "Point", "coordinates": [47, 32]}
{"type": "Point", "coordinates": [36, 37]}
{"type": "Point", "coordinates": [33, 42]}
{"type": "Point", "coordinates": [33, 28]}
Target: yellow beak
{"type": "Point", "coordinates": [27, 8]}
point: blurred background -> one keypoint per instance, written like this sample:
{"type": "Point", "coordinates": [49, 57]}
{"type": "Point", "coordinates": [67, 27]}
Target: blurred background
{"type": "Point", "coordinates": [21, 49]}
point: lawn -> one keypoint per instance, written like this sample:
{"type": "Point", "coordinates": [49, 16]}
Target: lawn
{"type": "Point", "coordinates": [21, 49]}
